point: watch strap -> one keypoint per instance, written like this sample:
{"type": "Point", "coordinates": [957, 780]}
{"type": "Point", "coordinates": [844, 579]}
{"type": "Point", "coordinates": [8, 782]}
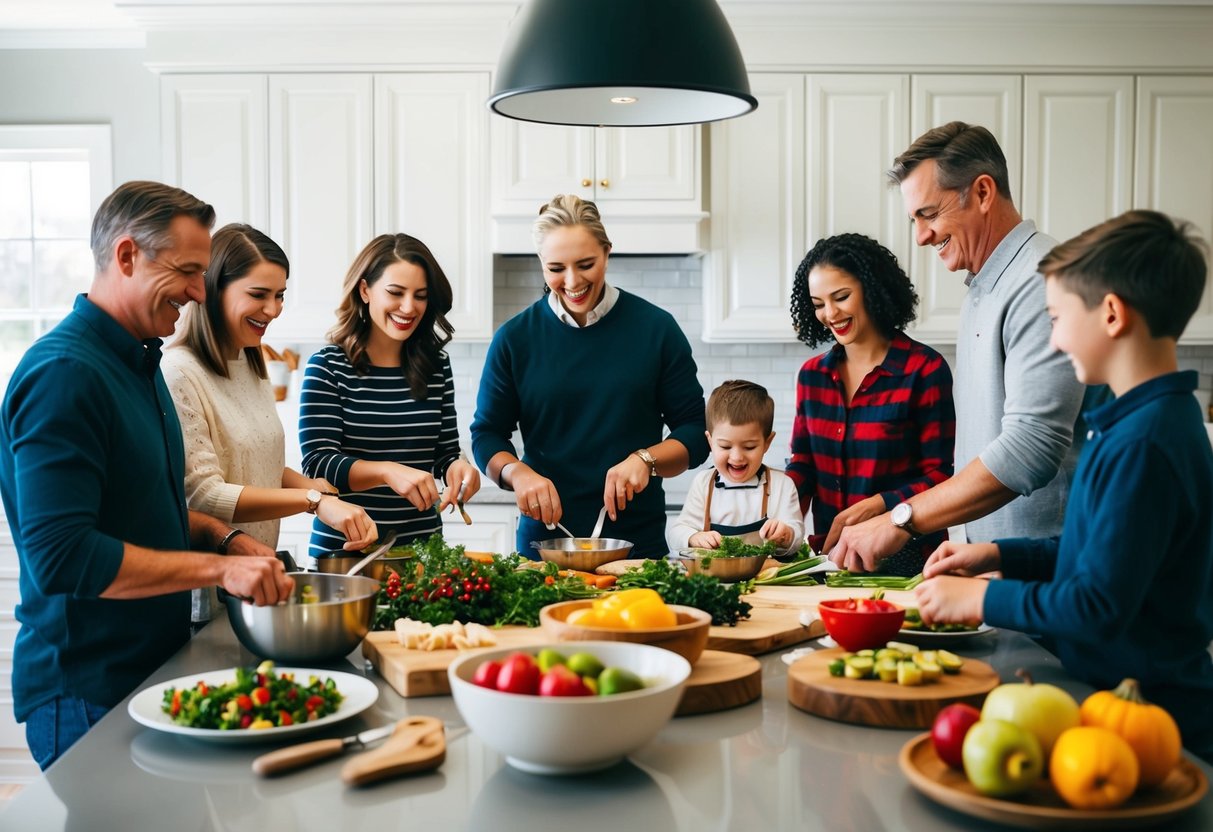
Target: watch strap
{"type": "Point", "coordinates": [227, 540]}
{"type": "Point", "coordinates": [648, 459]}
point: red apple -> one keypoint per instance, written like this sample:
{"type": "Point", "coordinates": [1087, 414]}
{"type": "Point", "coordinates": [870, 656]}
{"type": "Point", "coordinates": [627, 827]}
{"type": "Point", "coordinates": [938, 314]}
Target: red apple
{"type": "Point", "coordinates": [519, 674]}
{"type": "Point", "coordinates": [560, 681]}
{"type": "Point", "coordinates": [948, 732]}
{"type": "Point", "coordinates": [486, 675]}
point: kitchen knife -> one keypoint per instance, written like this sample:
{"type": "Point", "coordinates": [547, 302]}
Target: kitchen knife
{"type": "Point", "coordinates": [297, 756]}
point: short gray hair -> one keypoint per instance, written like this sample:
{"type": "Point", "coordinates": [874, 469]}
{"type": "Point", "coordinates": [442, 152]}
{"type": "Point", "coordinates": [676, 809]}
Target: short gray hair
{"type": "Point", "coordinates": [962, 153]}
{"type": "Point", "coordinates": [143, 210]}
{"type": "Point", "coordinates": [567, 210]}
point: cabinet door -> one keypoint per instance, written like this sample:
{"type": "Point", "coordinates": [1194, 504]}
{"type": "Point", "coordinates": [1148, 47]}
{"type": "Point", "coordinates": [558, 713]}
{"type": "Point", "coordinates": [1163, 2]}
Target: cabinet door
{"type": "Point", "coordinates": [213, 130]}
{"type": "Point", "coordinates": [1078, 150]}
{"type": "Point", "coordinates": [856, 125]}
{"type": "Point", "coordinates": [757, 203]}
{"type": "Point", "coordinates": [430, 141]}
{"type": "Point", "coordinates": [321, 186]}
{"type": "Point", "coordinates": [994, 102]}
{"type": "Point", "coordinates": [534, 162]}
{"type": "Point", "coordinates": [1174, 167]}
{"type": "Point", "coordinates": [646, 163]}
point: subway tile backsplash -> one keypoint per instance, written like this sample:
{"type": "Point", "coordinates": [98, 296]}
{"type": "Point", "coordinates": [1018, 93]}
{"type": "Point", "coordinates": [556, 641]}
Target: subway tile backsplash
{"type": "Point", "coordinates": [676, 284]}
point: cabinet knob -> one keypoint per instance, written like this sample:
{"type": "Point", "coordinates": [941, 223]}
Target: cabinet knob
{"type": "Point", "coordinates": [585, 183]}
{"type": "Point", "coordinates": [606, 183]}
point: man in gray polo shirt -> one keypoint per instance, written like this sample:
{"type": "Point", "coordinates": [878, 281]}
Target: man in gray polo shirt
{"type": "Point", "coordinates": [1016, 398]}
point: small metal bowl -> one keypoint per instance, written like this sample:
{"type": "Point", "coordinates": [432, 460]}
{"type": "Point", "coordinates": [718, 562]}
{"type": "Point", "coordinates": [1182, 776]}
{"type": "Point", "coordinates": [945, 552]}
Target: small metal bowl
{"type": "Point", "coordinates": [339, 562]}
{"type": "Point", "coordinates": [301, 632]}
{"type": "Point", "coordinates": [729, 570]}
{"type": "Point", "coordinates": [584, 554]}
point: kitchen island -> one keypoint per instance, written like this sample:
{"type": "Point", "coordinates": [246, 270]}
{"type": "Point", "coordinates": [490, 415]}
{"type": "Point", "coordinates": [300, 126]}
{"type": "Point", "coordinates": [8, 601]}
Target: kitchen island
{"type": "Point", "coordinates": [765, 766]}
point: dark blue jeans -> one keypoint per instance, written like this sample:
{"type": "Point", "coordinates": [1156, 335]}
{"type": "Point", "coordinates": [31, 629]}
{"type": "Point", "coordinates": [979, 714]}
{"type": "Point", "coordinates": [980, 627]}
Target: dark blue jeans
{"type": "Point", "coordinates": [53, 728]}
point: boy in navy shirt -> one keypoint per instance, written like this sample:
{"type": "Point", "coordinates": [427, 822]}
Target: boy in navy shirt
{"type": "Point", "coordinates": [1127, 589]}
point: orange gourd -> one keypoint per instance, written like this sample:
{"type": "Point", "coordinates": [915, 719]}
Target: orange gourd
{"type": "Point", "coordinates": [1093, 768]}
{"type": "Point", "coordinates": [1149, 730]}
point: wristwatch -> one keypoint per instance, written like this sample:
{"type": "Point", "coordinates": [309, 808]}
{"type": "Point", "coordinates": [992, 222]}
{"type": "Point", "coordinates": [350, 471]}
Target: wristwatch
{"type": "Point", "coordinates": [313, 500]}
{"type": "Point", "coordinates": [644, 454]}
{"type": "Point", "coordinates": [902, 515]}
{"type": "Point", "coordinates": [227, 540]}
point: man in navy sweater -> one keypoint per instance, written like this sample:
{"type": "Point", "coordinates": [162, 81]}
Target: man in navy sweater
{"type": "Point", "coordinates": [92, 479]}
{"type": "Point", "coordinates": [1127, 590]}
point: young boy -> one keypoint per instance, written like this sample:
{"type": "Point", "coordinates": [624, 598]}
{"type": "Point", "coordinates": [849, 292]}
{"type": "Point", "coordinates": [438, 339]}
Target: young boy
{"type": "Point", "coordinates": [739, 497]}
{"type": "Point", "coordinates": [1127, 590]}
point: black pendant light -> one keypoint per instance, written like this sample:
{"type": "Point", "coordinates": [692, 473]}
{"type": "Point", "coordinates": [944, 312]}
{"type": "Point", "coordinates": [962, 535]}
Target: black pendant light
{"type": "Point", "coordinates": [621, 63]}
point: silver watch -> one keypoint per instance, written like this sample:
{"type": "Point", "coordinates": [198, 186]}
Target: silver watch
{"type": "Point", "coordinates": [313, 500]}
{"type": "Point", "coordinates": [903, 516]}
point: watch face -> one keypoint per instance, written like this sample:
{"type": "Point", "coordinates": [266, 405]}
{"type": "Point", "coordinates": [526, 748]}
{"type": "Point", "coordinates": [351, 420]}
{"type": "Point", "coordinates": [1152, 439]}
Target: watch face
{"type": "Point", "coordinates": [902, 512]}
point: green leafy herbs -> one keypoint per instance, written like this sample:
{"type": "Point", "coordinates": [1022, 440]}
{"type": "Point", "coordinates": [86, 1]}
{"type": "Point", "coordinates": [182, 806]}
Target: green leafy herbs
{"type": "Point", "coordinates": [721, 601]}
{"type": "Point", "coordinates": [868, 580]}
{"type": "Point", "coordinates": [735, 547]}
{"type": "Point", "coordinates": [448, 586]}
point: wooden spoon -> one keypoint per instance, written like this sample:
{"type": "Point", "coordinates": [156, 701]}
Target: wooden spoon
{"type": "Point", "coordinates": [417, 744]}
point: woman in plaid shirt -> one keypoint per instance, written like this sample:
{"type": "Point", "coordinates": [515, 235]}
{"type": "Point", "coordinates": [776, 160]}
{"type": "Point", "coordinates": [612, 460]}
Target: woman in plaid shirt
{"type": "Point", "coordinates": [875, 421]}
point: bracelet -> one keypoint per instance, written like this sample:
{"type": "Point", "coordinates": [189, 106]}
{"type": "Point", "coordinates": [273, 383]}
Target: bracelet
{"type": "Point", "coordinates": [227, 539]}
{"type": "Point", "coordinates": [647, 459]}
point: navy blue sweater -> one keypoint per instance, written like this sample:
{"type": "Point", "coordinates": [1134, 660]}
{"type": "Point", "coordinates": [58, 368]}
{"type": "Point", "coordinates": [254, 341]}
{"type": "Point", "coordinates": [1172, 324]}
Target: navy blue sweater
{"type": "Point", "coordinates": [90, 456]}
{"type": "Point", "coordinates": [1127, 590]}
{"type": "Point", "coordinates": [585, 398]}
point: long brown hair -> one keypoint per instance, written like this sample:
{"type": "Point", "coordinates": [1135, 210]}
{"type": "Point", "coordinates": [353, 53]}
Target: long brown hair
{"type": "Point", "coordinates": [419, 354]}
{"type": "Point", "coordinates": [235, 250]}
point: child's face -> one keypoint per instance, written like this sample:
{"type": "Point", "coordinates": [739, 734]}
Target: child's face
{"type": "Point", "coordinates": [837, 298]}
{"type": "Point", "coordinates": [737, 450]}
{"type": "Point", "coordinates": [1078, 332]}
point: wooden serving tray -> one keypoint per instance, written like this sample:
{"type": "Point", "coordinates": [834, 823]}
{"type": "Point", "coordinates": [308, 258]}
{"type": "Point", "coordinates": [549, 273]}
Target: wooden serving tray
{"type": "Point", "coordinates": [883, 704]}
{"type": "Point", "coordinates": [1041, 807]}
{"type": "Point", "coordinates": [767, 629]}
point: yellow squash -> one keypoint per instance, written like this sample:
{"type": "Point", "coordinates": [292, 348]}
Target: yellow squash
{"type": "Point", "coordinates": [1093, 768]}
{"type": "Point", "coordinates": [1149, 730]}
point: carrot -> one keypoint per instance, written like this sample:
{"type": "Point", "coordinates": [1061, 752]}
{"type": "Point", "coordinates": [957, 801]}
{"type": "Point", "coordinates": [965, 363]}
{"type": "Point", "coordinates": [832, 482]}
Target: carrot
{"type": "Point", "coordinates": [605, 581]}
{"type": "Point", "coordinates": [479, 557]}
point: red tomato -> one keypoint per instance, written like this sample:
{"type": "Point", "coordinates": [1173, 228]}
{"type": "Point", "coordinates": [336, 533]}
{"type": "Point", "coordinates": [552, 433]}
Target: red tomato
{"type": "Point", "coordinates": [519, 674]}
{"type": "Point", "coordinates": [560, 681]}
{"type": "Point", "coordinates": [175, 707]}
{"type": "Point", "coordinates": [949, 730]}
{"type": "Point", "coordinates": [313, 702]}
{"type": "Point", "coordinates": [486, 675]}
{"type": "Point", "coordinates": [284, 718]}
{"type": "Point", "coordinates": [261, 695]}
{"type": "Point", "coordinates": [244, 702]}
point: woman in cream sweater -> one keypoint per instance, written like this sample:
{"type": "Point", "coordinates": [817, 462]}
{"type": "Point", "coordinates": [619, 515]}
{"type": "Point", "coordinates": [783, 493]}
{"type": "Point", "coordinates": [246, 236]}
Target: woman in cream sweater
{"type": "Point", "coordinates": [234, 442]}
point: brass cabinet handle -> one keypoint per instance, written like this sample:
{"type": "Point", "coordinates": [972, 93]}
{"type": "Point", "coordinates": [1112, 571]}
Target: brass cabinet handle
{"type": "Point", "coordinates": [585, 183]}
{"type": "Point", "coordinates": [606, 183]}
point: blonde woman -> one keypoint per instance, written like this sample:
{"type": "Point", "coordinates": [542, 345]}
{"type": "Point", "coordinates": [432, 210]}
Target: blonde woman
{"type": "Point", "coordinates": [592, 376]}
{"type": "Point", "coordinates": [377, 410]}
{"type": "Point", "coordinates": [234, 442]}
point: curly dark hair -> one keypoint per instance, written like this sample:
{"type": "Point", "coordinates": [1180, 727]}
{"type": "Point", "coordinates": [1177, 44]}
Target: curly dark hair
{"type": "Point", "coordinates": [888, 296]}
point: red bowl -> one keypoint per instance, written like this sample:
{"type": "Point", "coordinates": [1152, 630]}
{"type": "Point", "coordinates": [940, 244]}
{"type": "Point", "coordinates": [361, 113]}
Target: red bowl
{"type": "Point", "coordinates": [861, 623]}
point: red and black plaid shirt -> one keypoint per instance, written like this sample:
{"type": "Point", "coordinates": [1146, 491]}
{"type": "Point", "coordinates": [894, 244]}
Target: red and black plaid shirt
{"type": "Point", "coordinates": [896, 438]}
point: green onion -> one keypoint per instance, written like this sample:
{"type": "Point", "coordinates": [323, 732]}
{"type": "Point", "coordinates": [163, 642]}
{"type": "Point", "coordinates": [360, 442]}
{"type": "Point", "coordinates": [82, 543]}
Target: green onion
{"type": "Point", "coordinates": [795, 573]}
{"type": "Point", "coordinates": [864, 581]}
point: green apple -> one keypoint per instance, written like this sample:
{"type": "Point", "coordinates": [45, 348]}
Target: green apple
{"type": "Point", "coordinates": [1045, 710]}
{"type": "Point", "coordinates": [548, 658]}
{"type": "Point", "coordinates": [1001, 759]}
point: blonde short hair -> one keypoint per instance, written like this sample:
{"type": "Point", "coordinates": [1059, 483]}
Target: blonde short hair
{"type": "Point", "coordinates": [568, 210]}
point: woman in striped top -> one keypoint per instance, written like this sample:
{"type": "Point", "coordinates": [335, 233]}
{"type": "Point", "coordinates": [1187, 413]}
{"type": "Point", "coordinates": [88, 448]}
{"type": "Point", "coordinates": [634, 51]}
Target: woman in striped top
{"type": "Point", "coordinates": [875, 422]}
{"type": "Point", "coordinates": [377, 408]}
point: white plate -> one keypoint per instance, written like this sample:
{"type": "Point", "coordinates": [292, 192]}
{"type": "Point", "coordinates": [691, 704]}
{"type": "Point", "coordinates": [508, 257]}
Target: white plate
{"type": "Point", "coordinates": [359, 692]}
{"type": "Point", "coordinates": [929, 638]}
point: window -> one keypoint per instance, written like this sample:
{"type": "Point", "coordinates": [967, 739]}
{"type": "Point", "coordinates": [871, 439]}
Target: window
{"type": "Point", "coordinates": [52, 178]}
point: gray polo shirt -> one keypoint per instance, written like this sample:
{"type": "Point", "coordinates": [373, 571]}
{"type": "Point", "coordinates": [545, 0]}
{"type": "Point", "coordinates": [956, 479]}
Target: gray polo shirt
{"type": "Point", "coordinates": [1016, 398]}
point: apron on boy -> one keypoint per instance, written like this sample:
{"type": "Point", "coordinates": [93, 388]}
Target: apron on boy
{"type": "Point", "coordinates": [748, 532]}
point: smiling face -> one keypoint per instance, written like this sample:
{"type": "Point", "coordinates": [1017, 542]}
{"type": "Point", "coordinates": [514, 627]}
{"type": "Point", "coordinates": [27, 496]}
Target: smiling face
{"type": "Point", "coordinates": [396, 303]}
{"type": "Point", "coordinates": [955, 230]}
{"type": "Point", "coordinates": [574, 268]}
{"type": "Point", "coordinates": [250, 303]}
{"type": "Point", "coordinates": [837, 297]}
{"type": "Point", "coordinates": [159, 287]}
{"type": "Point", "coordinates": [1078, 332]}
{"type": "Point", "coordinates": [737, 450]}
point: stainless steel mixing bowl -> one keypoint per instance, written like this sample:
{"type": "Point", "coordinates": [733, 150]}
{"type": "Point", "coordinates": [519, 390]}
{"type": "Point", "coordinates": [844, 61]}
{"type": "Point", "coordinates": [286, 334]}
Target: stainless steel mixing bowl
{"type": "Point", "coordinates": [300, 632]}
{"type": "Point", "coordinates": [729, 570]}
{"type": "Point", "coordinates": [582, 553]}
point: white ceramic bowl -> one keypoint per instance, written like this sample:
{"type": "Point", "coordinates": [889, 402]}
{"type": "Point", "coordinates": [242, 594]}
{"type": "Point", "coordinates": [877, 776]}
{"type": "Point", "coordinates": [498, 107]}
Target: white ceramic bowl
{"type": "Point", "coordinates": [572, 734]}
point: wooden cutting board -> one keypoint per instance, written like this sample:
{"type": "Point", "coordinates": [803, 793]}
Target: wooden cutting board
{"type": "Point", "coordinates": [720, 681]}
{"type": "Point", "coordinates": [883, 704]}
{"type": "Point", "coordinates": [423, 672]}
{"type": "Point", "coordinates": [767, 629]}
{"type": "Point", "coordinates": [808, 597]}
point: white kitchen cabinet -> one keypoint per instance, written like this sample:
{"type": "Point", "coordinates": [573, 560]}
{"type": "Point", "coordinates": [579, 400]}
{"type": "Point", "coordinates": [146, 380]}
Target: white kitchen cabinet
{"type": "Point", "coordinates": [1078, 148]}
{"type": "Point", "coordinates": [645, 180]}
{"type": "Point", "coordinates": [321, 189]}
{"type": "Point", "coordinates": [492, 530]}
{"type": "Point", "coordinates": [994, 102]}
{"type": "Point", "coordinates": [758, 209]}
{"type": "Point", "coordinates": [431, 176]}
{"type": "Point", "coordinates": [1173, 172]}
{"type": "Point", "coordinates": [213, 129]}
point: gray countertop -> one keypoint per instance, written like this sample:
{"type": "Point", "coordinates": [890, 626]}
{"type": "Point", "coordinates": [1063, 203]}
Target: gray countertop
{"type": "Point", "coordinates": [764, 766]}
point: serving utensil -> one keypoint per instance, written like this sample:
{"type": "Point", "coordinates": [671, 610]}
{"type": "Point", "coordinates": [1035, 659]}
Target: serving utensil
{"type": "Point", "coordinates": [554, 526]}
{"type": "Point", "coordinates": [384, 545]}
{"type": "Point", "coordinates": [467, 521]}
{"type": "Point", "coordinates": [416, 743]}
{"type": "Point", "coordinates": [598, 525]}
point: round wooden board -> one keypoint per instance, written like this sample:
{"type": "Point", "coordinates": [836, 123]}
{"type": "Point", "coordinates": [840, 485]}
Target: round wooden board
{"type": "Point", "coordinates": [1041, 807]}
{"type": "Point", "coordinates": [720, 681]}
{"type": "Point", "coordinates": [883, 704]}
